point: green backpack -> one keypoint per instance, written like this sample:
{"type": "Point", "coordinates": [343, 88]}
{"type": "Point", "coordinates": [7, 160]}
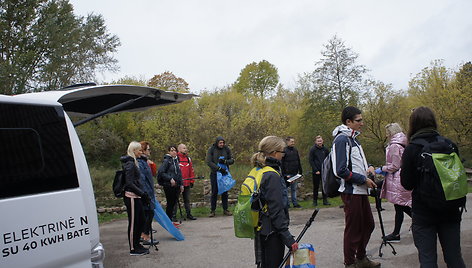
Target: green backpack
{"type": "Point", "coordinates": [244, 216]}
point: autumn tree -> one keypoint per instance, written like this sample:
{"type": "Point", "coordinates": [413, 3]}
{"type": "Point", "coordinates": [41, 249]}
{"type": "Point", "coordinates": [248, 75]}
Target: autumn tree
{"type": "Point", "coordinates": [258, 79]}
{"type": "Point", "coordinates": [169, 82]}
{"type": "Point", "coordinates": [44, 46]}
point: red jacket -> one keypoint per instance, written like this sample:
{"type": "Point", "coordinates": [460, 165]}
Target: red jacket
{"type": "Point", "coordinates": [186, 168]}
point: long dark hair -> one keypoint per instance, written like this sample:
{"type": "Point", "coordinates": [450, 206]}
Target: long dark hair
{"type": "Point", "coordinates": [421, 117]}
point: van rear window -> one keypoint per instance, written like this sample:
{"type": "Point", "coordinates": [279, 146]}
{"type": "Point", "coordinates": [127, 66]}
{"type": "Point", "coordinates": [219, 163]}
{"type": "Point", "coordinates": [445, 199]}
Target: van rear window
{"type": "Point", "coordinates": [36, 151]}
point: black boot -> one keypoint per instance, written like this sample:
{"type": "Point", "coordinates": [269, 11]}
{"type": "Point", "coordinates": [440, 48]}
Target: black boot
{"type": "Point", "coordinates": [190, 217]}
{"type": "Point", "coordinates": [325, 202]}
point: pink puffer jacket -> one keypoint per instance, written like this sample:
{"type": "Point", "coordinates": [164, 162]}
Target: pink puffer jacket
{"type": "Point", "coordinates": [392, 190]}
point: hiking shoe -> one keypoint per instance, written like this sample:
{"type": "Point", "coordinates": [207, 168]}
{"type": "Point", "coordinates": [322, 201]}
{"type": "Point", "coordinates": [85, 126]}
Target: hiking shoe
{"type": "Point", "coordinates": [148, 242]}
{"type": "Point", "coordinates": [212, 214]}
{"type": "Point", "coordinates": [350, 265]}
{"type": "Point", "coordinates": [227, 213]}
{"type": "Point", "coordinates": [139, 252]}
{"type": "Point", "coordinates": [392, 238]}
{"type": "Point", "coordinates": [366, 263]}
{"type": "Point", "coordinates": [326, 203]}
{"type": "Point", "coordinates": [190, 217]}
{"type": "Point", "coordinates": [297, 206]}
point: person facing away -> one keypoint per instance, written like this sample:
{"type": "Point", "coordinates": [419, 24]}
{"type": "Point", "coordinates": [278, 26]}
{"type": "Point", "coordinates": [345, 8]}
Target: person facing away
{"type": "Point", "coordinates": [429, 222]}
{"type": "Point", "coordinates": [188, 175]}
{"type": "Point", "coordinates": [291, 166]}
{"type": "Point", "coordinates": [219, 152]}
{"type": "Point", "coordinates": [392, 190]}
{"type": "Point", "coordinates": [134, 198]}
{"type": "Point", "coordinates": [170, 177]}
{"type": "Point", "coordinates": [147, 183]}
{"type": "Point", "coordinates": [317, 155]}
{"type": "Point", "coordinates": [349, 163]}
{"type": "Point", "coordinates": [273, 234]}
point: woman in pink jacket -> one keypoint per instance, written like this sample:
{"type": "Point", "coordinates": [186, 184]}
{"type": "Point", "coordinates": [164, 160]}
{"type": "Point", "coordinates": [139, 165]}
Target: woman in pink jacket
{"type": "Point", "coordinates": [392, 190]}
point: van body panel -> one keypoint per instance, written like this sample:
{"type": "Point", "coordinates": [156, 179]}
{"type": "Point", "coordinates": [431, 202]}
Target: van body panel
{"type": "Point", "coordinates": [41, 230]}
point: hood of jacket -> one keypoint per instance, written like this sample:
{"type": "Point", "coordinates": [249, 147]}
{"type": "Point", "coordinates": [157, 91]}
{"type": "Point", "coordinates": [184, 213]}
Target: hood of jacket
{"type": "Point", "coordinates": [126, 158]}
{"type": "Point", "coordinates": [218, 139]}
{"type": "Point", "coordinates": [399, 138]}
{"type": "Point", "coordinates": [346, 131]}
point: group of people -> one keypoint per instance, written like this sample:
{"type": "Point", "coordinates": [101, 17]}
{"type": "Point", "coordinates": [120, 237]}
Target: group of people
{"type": "Point", "coordinates": [175, 174]}
{"type": "Point", "coordinates": [400, 186]}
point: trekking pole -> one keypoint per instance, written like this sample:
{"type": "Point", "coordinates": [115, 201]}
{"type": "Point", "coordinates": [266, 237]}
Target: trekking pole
{"type": "Point", "coordinates": [180, 208]}
{"type": "Point", "coordinates": [307, 225]}
{"type": "Point", "coordinates": [152, 239]}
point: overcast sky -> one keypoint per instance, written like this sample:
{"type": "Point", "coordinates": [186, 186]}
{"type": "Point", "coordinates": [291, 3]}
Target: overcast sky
{"type": "Point", "coordinates": [208, 42]}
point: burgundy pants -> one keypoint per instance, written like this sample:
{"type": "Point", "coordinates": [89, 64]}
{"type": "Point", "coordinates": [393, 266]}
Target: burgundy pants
{"type": "Point", "coordinates": [359, 226]}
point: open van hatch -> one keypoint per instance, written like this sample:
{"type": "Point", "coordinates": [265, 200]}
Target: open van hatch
{"type": "Point", "coordinates": [96, 101]}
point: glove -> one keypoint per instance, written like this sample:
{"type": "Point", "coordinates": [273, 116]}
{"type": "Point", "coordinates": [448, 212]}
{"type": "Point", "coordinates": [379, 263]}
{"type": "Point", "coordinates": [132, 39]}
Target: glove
{"type": "Point", "coordinates": [145, 199]}
{"type": "Point", "coordinates": [222, 161]}
{"type": "Point", "coordinates": [223, 171]}
{"type": "Point", "coordinates": [191, 185]}
{"type": "Point", "coordinates": [294, 247]}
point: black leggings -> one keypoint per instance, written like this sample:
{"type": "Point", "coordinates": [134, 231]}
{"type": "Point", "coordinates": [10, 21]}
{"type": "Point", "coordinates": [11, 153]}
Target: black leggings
{"type": "Point", "coordinates": [399, 210]}
{"type": "Point", "coordinates": [134, 208]}
{"type": "Point", "coordinates": [148, 216]}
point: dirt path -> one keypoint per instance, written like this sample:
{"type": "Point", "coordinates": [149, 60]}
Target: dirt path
{"type": "Point", "coordinates": [210, 242]}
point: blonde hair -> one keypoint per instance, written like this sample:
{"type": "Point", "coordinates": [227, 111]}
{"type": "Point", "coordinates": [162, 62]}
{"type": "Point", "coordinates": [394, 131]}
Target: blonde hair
{"type": "Point", "coordinates": [393, 128]}
{"type": "Point", "coordinates": [267, 146]}
{"type": "Point", "coordinates": [133, 146]}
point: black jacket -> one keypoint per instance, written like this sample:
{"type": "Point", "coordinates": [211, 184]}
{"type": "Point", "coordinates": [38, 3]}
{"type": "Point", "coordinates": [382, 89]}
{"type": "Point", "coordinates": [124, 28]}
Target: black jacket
{"type": "Point", "coordinates": [132, 175]}
{"type": "Point", "coordinates": [291, 164]}
{"type": "Point", "coordinates": [274, 194]}
{"type": "Point", "coordinates": [214, 153]}
{"type": "Point", "coordinates": [409, 176]}
{"type": "Point", "coordinates": [317, 156]}
{"type": "Point", "coordinates": [169, 170]}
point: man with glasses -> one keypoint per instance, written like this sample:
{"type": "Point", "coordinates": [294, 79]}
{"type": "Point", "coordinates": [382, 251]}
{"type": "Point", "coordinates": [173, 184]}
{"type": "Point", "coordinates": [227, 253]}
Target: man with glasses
{"type": "Point", "coordinates": [291, 166]}
{"type": "Point", "coordinates": [349, 164]}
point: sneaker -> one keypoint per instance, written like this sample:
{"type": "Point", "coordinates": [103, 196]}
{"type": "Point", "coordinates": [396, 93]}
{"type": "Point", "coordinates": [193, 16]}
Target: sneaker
{"type": "Point", "coordinates": [148, 242]}
{"type": "Point", "coordinates": [139, 252]}
{"type": "Point", "coordinates": [212, 214]}
{"type": "Point", "coordinates": [190, 217]}
{"type": "Point", "coordinates": [392, 238]}
{"type": "Point", "coordinates": [227, 213]}
{"type": "Point", "coordinates": [176, 224]}
{"type": "Point", "coordinates": [366, 263]}
{"type": "Point", "coordinates": [297, 206]}
{"type": "Point", "coordinates": [154, 231]}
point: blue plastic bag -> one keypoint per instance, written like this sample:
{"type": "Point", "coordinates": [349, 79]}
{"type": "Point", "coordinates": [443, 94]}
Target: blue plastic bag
{"type": "Point", "coordinates": [225, 182]}
{"type": "Point", "coordinates": [161, 217]}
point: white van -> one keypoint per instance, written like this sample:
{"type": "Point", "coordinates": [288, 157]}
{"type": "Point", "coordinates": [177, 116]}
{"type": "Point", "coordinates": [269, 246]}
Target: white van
{"type": "Point", "coordinates": [47, 204]}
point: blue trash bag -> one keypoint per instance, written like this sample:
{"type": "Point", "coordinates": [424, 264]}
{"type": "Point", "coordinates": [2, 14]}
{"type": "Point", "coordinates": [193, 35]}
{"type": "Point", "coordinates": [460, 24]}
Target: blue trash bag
{"type": "Point", "coordinates": [225, 182]}
{"type": "Point", "coordinates": [161, 217]}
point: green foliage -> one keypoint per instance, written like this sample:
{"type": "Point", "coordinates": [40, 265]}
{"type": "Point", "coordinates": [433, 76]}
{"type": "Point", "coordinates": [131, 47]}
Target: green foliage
{"type": "Point", "coordinates": [258, 79]}
{"type": "Point", "coordinates": [43, 46]}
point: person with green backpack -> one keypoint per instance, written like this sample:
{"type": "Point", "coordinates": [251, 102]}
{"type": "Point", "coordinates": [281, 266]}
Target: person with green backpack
{"type": "Point", "coordinates": [432, 169]}
{"type": "Point", "coordinates": [272, 234]}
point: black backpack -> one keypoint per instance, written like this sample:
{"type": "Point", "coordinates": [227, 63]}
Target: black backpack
{"type": "Point", "coordinates": [119, 183]}
{"type": "Point", "coordinates": [429, 189]}
{"type": "Point", "coordinates": [330, 181]}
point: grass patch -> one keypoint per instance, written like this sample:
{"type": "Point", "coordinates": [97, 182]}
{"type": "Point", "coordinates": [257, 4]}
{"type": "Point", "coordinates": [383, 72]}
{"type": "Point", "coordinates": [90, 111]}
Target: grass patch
{"type": "Point", "coordinates": [108, 217]}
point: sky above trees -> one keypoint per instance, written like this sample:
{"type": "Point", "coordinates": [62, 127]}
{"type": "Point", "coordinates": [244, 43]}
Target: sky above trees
{"type": "Point", "coordinates": [209, 42]}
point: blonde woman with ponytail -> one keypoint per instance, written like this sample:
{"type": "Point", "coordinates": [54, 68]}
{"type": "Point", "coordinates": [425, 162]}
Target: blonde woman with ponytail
{"type": "Point", "coordinates": [273, 234]}
{"type": "Point", "coordinates": [134, 198]}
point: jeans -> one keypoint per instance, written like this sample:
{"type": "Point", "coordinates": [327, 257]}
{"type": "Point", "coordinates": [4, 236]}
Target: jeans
{"type": "Point", "coordinates": [293, 193]}
{"type": "Point", "coordinates": [425, 238]}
